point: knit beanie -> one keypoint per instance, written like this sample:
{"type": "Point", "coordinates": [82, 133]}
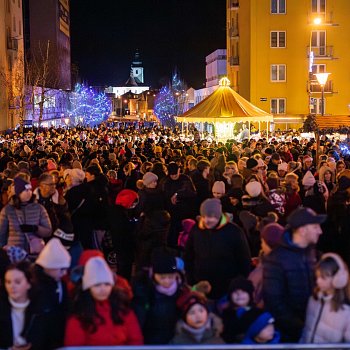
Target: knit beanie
{"type": "Point", "coordinates": [54, 256]}
{"type": "Point", "coordinates": [163, 262]}
{"type": "Point", "coordinates": [272, 234]}
{"type": "Point", "coordinates": [248, 220]}
{"type": "Point", "coordinates": [77, 175]}
{"type": "Point", "coordinates": [242, 284]}
{"type": "Point", "coordinates": [126, 198]}
{"type": "Point", "coordinates": [21, 185]}
{"type": "Point", "coordinates": [251, 163]}
{"type": "Point", "coordinates": [219, 187]}
{"type": "Point", "coordinates": [308, 179]}
{"type": "Point", "coordinates": [307, 157]}
{"type": "Point", "coordinates": [189, 299]}
{"type": "Point", "coordinates": [282, 166]}
{"type": "Point", "coordinates": [211, 207]}
{"type": "Point", "coordinates": [253, 188]}
{"type": "Point", "coordinates": [148, 178]}
{"type": "Point", "coordinates": [96, 271]}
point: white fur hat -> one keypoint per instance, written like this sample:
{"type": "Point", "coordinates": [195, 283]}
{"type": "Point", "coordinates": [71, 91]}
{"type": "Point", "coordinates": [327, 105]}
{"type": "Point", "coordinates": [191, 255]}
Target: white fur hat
{"type": "Point", "coordinates": [308, 179]}
{"type": "Point", "coordinates": [54, 255]}
{"type": "Point", "coordinates": [97, 271]}
{"type": "Point", "coordinates": [253, 188]}
{"type": "Point", "coordinates": [219, 187]}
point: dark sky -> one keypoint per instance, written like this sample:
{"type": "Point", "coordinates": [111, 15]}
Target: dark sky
{"type": "Point", "coordinates": [168, 33]}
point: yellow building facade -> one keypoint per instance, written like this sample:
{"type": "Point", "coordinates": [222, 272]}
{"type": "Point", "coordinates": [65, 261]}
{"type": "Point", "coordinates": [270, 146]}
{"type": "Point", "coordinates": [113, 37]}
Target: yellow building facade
{"type": "Point", "coordinates": [274, 47]}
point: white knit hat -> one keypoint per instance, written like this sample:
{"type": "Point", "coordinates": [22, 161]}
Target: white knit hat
{"type": "Point", "coordinates": [54, 255]}
{"type": "Point", "coordinates": [77, 175]}
{"type": "Point", "coordinates": [218, 187]}
{"type": "Point", "coordinates": [253, 188]}
{"type": "Point", "coordinates": [148, 178]}
{"type": "Point", "coordinates": [97, 271]}
{"type": "Point", "coordinates": [308, 179]}
{"type": "Point", "coordinates": [283, 166]}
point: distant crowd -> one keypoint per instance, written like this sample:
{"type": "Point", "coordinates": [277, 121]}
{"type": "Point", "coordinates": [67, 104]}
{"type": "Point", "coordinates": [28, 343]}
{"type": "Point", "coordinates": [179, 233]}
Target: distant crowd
{"type": "Point", "coordinates": [125, 236]}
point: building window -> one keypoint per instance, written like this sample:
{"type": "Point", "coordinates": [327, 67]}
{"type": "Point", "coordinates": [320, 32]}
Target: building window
{"type": "Point", "coordinates": [277, 39]}
{"type": "Point", "coordinates": [318, 68]}
{"type": "Point", "coordinates": [278, 72]}
{"type": "Point", "coordinates": [316, 105]}
{"type": "Point", "coordinates": [318, 42]}
{"type": "Point", "coordinates": [278, 6]}
{"type": "Point", "coordinates": [318, 6]}
{"type": "Point", "coordinates": [278, 105]}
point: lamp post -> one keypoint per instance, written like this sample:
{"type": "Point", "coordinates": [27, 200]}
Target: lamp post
{"type": "Point", "coordinates": [322, 80]}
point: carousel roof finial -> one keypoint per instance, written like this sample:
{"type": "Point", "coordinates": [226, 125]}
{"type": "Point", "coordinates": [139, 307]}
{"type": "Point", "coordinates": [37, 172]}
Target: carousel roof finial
{"type": "Point", "coordinates": [224, 82]}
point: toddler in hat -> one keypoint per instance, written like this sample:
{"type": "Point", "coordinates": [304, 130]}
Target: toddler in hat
{"type": "Point", "coordinates": [197, 325]}
{"type": "Point", "coordinates": [101, 316]}
{"type": "Point", "coordinates": [241, 311]}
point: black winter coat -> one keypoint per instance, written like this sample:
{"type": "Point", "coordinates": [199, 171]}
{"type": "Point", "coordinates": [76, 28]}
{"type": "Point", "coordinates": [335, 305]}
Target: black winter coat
{"type": "Point", "coordinates": [157, 313]}
{"type": "Point", "coordinates": [150, 199]}
{"type": "Point", "coordinates": [288, 282]}
{"type": "Point", "coordinates": [216, 255]}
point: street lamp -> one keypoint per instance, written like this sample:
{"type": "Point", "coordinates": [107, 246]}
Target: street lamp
{"type": "Point", "coordinates": [322, 80]}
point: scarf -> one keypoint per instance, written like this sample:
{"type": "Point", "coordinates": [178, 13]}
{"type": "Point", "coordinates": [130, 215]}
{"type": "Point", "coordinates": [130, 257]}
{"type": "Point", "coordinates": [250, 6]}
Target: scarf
{"type": "Point", "coordinates": [167, 291]}
{"type": "Point", "coordinates": [18, 318]}
{"type": "Point", "coordinates": [196, 333]}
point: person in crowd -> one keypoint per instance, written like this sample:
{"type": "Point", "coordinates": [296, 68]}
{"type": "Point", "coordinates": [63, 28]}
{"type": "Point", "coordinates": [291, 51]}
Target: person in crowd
{"type": "Point", "coordinates": [48, 272]}
{"type": "Point", "coordinates": [180, 200]}
{"type": "Point", "coordinates": [100, 314]}
{"type": "Point", "coordinates": [150, 195]}
{"type": "Point", "coordinates": [23, 222]}
{"type": "Point", "coordinates": [327, 176]}
{"type": "Point", "coordinates": [218, 189]}
{"type": "Point", "coordinates": [308, 165]}
{"type": "Point", "coordinates": [200, 179]}
{"type": "Point", "coordinates": [288, 278]}
{"type": "Point", "coordinates": [155, 296]}
{"type": "Point", "coordinates": [23, 324]}
{"type": "Point", "coordinates": [293, 199]}
{"type": "Point", "coordinates": [197, 325]}
{"type": "Point", "coordinates": [328, 310]}
{"type": "Point", "coordinates": [271, 236]}
{"type": "Point", "coordinates": [229, 254]}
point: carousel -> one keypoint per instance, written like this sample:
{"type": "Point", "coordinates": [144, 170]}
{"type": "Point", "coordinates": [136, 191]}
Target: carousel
{"type": "Point", "coordinates": [224, 108]}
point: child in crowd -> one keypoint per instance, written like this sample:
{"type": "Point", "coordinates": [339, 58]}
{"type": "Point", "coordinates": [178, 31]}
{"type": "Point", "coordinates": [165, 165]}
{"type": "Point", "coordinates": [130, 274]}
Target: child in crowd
{"type": "Point", "coordinates": [197, 325]}
{"type": "Point", "coordinates": [240, 307]}
{"type": "Point", "coordinates": [328, 311]}
{"type": "Point", "coordinates": [261, 329]}
{"type": "Point", "coordinates": [101, 316]}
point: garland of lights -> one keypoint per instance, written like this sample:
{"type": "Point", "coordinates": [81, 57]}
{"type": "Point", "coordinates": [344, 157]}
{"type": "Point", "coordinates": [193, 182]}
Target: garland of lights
{"type": "Point", "coordinates": [90, 105]}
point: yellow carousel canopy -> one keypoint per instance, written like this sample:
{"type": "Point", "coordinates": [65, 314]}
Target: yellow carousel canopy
{"type": "Point", "coordinates": [225, 105]}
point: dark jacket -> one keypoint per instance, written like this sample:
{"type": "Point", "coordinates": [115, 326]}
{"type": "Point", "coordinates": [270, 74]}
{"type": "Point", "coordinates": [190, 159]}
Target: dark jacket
{"type": "Point", "coordinates": [288, 281]}
{"type": "Point", "coordinates": [186, 197]}
{"type": "Point", "coordinates": [202, 187]}
{"type": "Point", "coordinates": [39, 326]}
{"type": "Point", "coordinates": [157, 313]}
{"type": "Point", "coordinates": [216, 255]}
{"type": "Point", "coordinates": [150, 199]}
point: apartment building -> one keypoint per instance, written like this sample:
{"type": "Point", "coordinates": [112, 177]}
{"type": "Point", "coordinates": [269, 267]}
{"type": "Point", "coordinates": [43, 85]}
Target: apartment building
{"type": "Point", "coordinates": [275, 47]}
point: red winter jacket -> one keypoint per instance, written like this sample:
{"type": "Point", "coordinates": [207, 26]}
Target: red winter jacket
{"type": "Point", "coordinates": [108, 333]}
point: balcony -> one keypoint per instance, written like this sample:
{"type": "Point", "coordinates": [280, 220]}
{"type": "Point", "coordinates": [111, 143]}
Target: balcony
{"type": "Point", "coordinates": [326, 18]}
{"type": "Point", "coordinates": [321, 52]}
{"type": "Point", "coordinates": [234, 33]}
{"type": "Point", "coordinates": [315, 87]}
{"type": "Point", "coordinates": [234, 61]}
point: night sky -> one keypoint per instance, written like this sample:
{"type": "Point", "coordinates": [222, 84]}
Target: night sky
{"type": "Point", "coordinates": [168, 33]}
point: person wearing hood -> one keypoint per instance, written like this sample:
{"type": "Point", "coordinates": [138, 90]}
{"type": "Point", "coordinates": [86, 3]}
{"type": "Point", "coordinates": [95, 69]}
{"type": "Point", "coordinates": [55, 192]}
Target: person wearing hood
{"type": "Point", "coordinates": [23, 222]}
{"type": "Point", "coordinates": [122, 230]}
{"type": "Point", "coordinates": [228, 255]}
{"type": "Point", "coordinates": [288, 272]}
{"type": "Point", "coordinates": [197, 325]}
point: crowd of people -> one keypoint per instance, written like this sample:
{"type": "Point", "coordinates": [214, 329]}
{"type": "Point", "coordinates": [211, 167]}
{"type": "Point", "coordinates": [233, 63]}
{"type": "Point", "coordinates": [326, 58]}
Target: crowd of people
{"type": "Point", "coordinates": [125, 236]}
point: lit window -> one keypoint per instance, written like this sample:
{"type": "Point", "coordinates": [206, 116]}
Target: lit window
{"type": "Point", "coordinates": [278, 72]}
{"type": "Point", "coordinates": [318, 6]}
{"type": "Point", "coordinates": [277, 39]}
{"type": "Point", "coordinates": [278, 105]}
{"type": "Point", "coordinates": [278, 6]}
